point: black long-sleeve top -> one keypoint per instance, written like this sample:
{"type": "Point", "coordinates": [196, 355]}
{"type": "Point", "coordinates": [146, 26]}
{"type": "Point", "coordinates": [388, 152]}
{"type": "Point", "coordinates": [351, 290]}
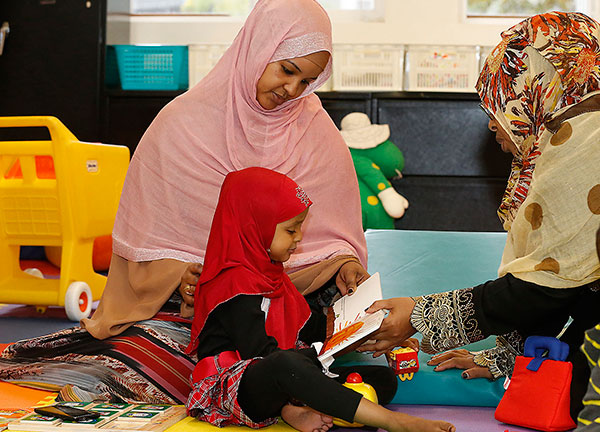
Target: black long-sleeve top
{"type": "Point", "coordinates": [239, 324]}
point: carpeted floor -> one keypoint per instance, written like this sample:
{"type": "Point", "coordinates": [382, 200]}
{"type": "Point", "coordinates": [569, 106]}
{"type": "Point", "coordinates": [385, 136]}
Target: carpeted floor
{"type": "Point", "coordinates": [18, 322]}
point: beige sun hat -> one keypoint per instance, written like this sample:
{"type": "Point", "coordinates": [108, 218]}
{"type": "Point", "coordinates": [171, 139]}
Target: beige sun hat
{"type": "Point", "coordinates": [359, 133]}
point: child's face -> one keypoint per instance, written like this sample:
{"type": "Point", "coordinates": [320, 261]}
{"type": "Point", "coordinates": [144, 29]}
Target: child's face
{"type": "Point", "coordinates": [287, 236]}
{"type": "Point", "coordinates": [284, 80]}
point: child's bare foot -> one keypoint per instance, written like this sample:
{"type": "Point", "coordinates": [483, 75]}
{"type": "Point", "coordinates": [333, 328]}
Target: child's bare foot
{"type": "Point", "coordinates": [372, 414]}
{"type": "Point", "coordinates": [306, 419]}
{"type": "Point", "coordinates": [417, 424]}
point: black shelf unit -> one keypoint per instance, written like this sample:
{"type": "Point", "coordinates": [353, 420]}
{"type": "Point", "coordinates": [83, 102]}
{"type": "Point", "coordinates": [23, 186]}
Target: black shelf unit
{"type": "Point", "coordinates": [455, 173]}
{"type": "Point", "coordinates": [128, 113]}
{"type": "Point", "coordinates": [53, 62]}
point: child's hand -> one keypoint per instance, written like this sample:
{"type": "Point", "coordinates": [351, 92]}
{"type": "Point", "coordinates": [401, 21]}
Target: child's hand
{"type": "Point", "coordinates": [349, 276]}
{"type": "Point", "coordinates": [189, 280]}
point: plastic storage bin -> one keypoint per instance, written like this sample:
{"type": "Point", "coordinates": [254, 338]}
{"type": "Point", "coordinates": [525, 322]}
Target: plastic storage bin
{"type": "Point", "coordinates": [203, 57]}
{"type": "Point", "coordinates": [367, 67]}
{"type": "Point", "coordinates": [484, 52]}
{"type": "Point", "coordinates": [149, 67]}
{"type": "Point", "coordinates": [61, 192]}
{"type": "Point", "coordinates": [327, 85]}
{"type": "Point", "coordinates": [441, 68]}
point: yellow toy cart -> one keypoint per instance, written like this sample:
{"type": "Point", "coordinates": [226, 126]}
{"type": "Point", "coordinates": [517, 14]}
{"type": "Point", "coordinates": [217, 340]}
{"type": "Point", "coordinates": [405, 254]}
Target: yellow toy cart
{"type": "Point", "coordinates": [61, 192]}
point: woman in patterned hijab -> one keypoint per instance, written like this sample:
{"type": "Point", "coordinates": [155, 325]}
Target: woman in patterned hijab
{"type": "Point", "coordinates": [541, 88]}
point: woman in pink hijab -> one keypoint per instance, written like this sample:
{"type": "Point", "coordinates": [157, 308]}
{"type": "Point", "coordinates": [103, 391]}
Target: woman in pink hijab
{"type": "Point", "coordinates": [255, 108]}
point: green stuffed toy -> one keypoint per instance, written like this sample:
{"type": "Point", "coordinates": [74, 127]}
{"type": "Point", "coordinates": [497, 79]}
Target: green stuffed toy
{"type": "Point", "coordinates": [376, 159]}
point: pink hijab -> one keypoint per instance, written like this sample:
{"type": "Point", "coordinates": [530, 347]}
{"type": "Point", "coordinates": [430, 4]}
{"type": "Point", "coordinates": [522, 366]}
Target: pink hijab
{"type": "Point", "coordinates": [174, 178]}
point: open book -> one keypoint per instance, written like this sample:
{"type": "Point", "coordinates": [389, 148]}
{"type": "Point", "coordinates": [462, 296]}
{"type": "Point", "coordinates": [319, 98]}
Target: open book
{"type": "Point", "coordinates": [347, 321]}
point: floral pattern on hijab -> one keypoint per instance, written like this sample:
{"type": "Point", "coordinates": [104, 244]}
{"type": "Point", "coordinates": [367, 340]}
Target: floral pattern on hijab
{"type": "Point", "coordinates": [543, 65]}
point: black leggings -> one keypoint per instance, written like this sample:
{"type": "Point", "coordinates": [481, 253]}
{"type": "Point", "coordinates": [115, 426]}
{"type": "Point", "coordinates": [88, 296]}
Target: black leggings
{"type": "Point", "coordinates": [283, 376]}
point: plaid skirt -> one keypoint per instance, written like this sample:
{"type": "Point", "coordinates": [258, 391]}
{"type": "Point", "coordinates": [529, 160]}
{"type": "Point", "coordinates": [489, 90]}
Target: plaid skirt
{"type": "Point", "coordinates": [213, 399]}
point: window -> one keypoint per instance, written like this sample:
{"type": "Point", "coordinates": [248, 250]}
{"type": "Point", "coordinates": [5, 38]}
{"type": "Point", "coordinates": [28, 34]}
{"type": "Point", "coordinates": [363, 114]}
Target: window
{"type": "Point", "coordinates": [204, 7]}
{"type": "Point", "coordinates": [348, 4]}
{"type": "Point", "coordinates": [355, 10]}
{"type": "Point", "coordinates": [525, 8]}
{"type": "Point", "coordinates": [364, 8]}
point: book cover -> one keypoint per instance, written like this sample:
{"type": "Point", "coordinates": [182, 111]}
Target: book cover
{"type": "Point", "coordinates": [116, 418]}
{"type": "Point", "coordinates": [10, 415]}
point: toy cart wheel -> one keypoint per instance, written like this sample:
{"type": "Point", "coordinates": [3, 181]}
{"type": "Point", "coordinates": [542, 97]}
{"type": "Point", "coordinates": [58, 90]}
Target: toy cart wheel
{"type": "Point", "coordinates": [78, 301]}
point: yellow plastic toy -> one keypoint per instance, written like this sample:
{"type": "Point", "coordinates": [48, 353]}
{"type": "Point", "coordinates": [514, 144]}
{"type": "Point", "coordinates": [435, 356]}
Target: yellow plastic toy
{"type": "Point", "coordinates": [69, 207]}
{"type": "Point", "coordinates": [355, 382]}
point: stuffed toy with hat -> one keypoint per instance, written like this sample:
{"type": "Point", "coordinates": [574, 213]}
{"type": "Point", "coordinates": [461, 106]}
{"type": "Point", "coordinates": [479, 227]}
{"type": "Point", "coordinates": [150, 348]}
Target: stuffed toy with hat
{"type": "Point", "coordinates": [376, 159]}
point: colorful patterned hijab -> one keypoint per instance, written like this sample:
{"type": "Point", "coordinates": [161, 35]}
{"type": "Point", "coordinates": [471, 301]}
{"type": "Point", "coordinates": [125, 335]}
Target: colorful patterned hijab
{"type": "Point", "coordinates": [542, 68]}
{"type": "Point", "coordinates": [175, 175]}
{"type": "Point", "coordinates": [251, 204]}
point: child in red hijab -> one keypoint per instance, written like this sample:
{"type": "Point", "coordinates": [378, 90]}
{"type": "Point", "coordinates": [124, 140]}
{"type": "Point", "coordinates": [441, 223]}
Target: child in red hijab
{"type": "Point", "coordinates": [250, 319]}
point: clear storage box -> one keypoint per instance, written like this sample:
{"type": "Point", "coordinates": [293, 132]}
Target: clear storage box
{"type": "Point", "coordinates": [202, 58]}
{"type": "Point", "coordinates": [367, 67]}
{"type": "Point", "coordinates": [484, 52]}
{"type": "Point", "coordinates": [442, 68]}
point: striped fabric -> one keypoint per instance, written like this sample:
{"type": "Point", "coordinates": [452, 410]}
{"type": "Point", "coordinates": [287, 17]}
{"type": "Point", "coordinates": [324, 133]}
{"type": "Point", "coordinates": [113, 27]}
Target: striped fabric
{"type": "Point", "coordinates": [144, 364]}
{"type": "Point", "coordinates": [589, 418]}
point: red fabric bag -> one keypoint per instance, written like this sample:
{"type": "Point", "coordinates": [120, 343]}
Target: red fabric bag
{"type": "Point", "coordinates": [538, 396]}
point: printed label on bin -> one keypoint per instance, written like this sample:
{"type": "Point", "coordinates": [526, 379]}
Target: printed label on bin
{"type": "Point", "coordinates": [92, 165]}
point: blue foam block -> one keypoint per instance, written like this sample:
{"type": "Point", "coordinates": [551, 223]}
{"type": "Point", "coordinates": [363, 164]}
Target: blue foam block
{"type": "Point", "coordinates": [413, 263]}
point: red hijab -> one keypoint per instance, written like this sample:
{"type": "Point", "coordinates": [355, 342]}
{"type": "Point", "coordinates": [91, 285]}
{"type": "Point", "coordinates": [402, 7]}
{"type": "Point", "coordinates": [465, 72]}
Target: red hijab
{"type": "Point", "coordinates": [251, 204]}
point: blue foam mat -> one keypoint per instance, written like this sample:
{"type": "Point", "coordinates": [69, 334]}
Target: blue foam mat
{"type": "Point", "coordinates": [413, 263]}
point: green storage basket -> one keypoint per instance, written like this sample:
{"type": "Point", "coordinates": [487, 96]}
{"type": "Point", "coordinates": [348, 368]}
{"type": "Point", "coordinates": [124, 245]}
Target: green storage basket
{"type": "Point", "coordinates": [151, 67]}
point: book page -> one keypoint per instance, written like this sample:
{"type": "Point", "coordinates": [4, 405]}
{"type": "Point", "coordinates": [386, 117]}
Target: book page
{"type": "Point", "coordinates": [352, 308]}
{"type": "Point", "coordinates": [351, 322]}
{"type": "Point", "coordinates": [352, 334]}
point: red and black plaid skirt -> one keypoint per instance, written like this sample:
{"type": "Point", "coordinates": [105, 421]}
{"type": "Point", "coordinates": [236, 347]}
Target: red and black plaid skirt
{"type": "Point", "coordinates": [214, 399]}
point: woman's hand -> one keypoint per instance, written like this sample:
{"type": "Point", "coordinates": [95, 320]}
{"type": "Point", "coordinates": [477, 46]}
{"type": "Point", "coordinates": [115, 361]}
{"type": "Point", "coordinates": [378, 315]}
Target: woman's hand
{"type": "Point", "coordinates": [349, 276]}
{"type": "Point", "coordinates": [188, 283]}
{"type": "Point", "coordinates": [459, 359]}
{"type": "Point", "coordinates": [411, 343]}
{"type": "Point", "coordinates": [395, 328]}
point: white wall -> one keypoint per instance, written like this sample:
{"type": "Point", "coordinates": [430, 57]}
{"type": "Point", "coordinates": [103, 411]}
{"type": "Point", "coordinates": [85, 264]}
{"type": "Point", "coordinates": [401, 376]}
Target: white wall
{"type": "Point", "coordinates": [406, 22]}
{"type": "Point", "coordinates": [423, 22]}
